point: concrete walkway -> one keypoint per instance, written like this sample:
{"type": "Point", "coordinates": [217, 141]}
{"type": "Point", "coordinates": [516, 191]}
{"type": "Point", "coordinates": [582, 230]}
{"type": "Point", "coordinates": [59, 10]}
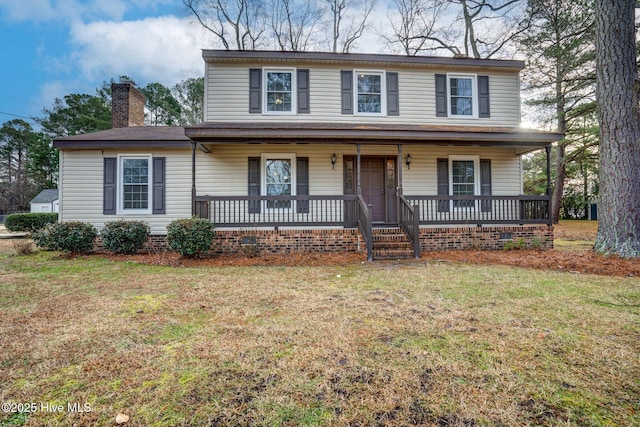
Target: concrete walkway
{"type": "Point", "coordinates": [6, 234]}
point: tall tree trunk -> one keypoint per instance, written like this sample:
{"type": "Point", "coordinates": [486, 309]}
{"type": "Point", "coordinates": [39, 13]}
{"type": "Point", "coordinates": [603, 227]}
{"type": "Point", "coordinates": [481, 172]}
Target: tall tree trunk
{"type": "Point", "coordinates": [619, 115]}
{"type": "Point", "coordinates": [558, 184]}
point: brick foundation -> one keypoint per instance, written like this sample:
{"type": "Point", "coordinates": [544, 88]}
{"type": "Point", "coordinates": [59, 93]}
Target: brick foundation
{"type": "Point", "coordinates": [286, 241]}
{"type": "Point", "coordinates": [486, 238]}
{"type": "Point", "coordinates": [228, 242]}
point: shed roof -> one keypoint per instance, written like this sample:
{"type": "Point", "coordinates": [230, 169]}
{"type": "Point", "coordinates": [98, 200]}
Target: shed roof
{"type": "Point", "coordinates": [46, 196]}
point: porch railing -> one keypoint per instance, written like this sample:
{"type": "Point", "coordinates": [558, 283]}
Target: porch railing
{"type": "Point", "coordinates": [365, 225]}
{"type": "Point", "coordinates": [410, 223]}
{"type": "Point", "coordinates": [440, 210]}
{"type": "Point", "coordinates": [274, 211]}
{"type": "Point", "coordinates": [345, 210]}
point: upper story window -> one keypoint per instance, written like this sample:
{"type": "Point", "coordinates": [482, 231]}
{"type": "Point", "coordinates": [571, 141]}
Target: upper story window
{"type": "Point", "coordinates": [279, 93]}
{"type": "Point", "coordinates": [462, 96]}
{"type": "Point", "coordinates": [370, 91]}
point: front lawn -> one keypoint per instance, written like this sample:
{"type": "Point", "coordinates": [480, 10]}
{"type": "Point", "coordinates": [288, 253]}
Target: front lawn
{"type": "Point", "coordinates": [417, 343]}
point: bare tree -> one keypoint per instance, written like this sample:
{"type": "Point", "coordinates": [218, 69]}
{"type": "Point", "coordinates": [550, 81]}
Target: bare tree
{"type": "Point", "coordinates": [618, 94]}
{"type": "Point", "coordinates": [415, 27]}
{"type": "Point", "coordinates": [237, 24]}
{"type": "Point", "coordinates": [294, 23]}
{"type": "Point", "coordinates": [347, 22]}
{"type": "Point", "coordinates": [473, 28]}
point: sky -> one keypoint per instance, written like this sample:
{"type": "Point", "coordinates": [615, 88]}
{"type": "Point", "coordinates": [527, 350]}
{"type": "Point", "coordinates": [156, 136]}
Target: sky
{"type": "Point", "coordinates": [52, 48]}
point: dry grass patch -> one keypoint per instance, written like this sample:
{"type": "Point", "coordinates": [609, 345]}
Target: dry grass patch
{"type": "Point", "coordinates": [423, 343]}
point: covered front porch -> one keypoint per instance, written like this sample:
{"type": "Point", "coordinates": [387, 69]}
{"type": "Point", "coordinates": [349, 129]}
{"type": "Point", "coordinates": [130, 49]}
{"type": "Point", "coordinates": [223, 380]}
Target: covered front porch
{"type": "Point", "coordinates": [373, 195]}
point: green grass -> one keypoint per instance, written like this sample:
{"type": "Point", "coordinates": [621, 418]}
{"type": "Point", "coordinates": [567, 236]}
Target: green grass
{"type": "Point", "coordinates": [373, 344]}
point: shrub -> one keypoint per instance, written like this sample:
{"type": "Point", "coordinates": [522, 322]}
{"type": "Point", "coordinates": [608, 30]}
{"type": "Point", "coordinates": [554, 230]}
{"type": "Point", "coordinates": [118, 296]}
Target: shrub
{"type": "Point", "coordinates": [125, 237]}
{"type": "Point", "coordinates": [190, 236]}
{"type": "Point", "coordinates": [74, 237]}
{"type": "Point", "coordinates": [24, 247]}
{"type": "Point", "coordinates": [29, 222]}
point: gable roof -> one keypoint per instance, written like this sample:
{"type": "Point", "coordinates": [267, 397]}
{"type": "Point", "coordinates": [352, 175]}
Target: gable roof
{"type": "Point", "coordinates": [128, 137]}
{"type": "Point", "coordinates": [46, 196]}
{"type": "Point", "coordinates": [358, 59]}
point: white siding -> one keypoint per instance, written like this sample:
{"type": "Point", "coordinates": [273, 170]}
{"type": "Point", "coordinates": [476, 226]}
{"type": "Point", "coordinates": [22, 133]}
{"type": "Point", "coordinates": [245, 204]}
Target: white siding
{"type": "Point", "coordinates": [225, 170]}
{"type": "Point", "coordinates": [227, 94]}
{"type": "Point", "coordinates": [82, 175]}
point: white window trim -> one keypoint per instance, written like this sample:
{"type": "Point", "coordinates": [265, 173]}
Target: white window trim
{"type": "Point", "coordinates": [474, 95]}
{"type": "Point", "coordinates": [383, 92]}
{"type": "Point", "coordinates": [294, 90]}
{"type": "Point", "coordinates": [263, 175]}
{"type": "Point", "coordinates": [476, 177]}
{"type": "Point", "coordinates": [120, 190]}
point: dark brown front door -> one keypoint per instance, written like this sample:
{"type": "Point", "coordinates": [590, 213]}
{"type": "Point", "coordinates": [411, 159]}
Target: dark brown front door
{"type": "Point", "coordinates": [373, 188]}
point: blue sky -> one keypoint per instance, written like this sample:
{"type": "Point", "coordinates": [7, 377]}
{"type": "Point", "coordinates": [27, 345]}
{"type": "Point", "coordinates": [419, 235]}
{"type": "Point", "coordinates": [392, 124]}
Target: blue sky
{"type": "Point", "coordinates": [51, 48]}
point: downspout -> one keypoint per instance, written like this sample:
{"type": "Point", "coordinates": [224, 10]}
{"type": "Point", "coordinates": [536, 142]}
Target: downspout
{"type": "Point", "coordinates": [550, 208]}
{"type": "Point", "coordinates": [193, 178]}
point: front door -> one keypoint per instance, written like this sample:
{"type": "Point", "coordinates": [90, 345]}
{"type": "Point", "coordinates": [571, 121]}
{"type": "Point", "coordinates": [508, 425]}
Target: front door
{"type": "Point", "coordinates": [373, 188]}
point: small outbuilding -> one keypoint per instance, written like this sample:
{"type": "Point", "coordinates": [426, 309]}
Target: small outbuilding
{"type": "Point", "coordinates": [46, 201]}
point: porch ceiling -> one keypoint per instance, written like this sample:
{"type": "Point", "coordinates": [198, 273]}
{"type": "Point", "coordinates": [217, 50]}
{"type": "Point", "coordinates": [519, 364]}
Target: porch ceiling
{"type": "Point", "coordinates": [383, 134]}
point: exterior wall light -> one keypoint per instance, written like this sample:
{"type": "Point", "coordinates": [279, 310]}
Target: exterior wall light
{"type": "Point", "coordinates": [333, 161]}
{"type": "Point", "coordinates": [408, 161]}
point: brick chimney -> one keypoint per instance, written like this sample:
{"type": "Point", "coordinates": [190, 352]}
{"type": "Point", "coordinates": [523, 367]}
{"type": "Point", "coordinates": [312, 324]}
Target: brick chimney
{"type": "Point", "coordinates": [127, 105]}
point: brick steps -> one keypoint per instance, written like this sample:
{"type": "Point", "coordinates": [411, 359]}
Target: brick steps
{"type": "Point", "coordinates": [391, 243]}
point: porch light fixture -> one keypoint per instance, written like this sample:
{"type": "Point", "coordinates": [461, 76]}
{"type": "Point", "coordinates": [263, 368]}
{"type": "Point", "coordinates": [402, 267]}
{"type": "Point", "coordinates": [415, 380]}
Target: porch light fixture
{"type": "Point", "coordinates": [408, 161]}
{"type": "Point", "coordinates": [333, 161]}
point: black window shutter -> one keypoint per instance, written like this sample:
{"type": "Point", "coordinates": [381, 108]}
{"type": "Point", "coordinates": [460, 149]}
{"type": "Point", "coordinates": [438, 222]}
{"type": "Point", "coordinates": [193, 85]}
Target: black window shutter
{"type": "Point", "coordinates": [441, 95]}
{"type": "Point", "coordinates": [443, 184]}
{"type": "Point", "coordinates": [159, 185]}
{"type": "Point", "coordinates": [483, 97]}
{"type": "Point", "coordinates": [254, 183]}
{"type": "Point", "coordinates": [393, 97]}
{"type": "Point", "coordinates": [109, 186]}
{"type": "Point", "coordinates": [302, 183]}
{"type": "Point", "coordinates": [303, 92]}
{"type": "Point", "coordinates": [485, 184]}
{"type": "Point", "coordinates": [255, 90]}
{"type": "Point", "coordinates": [346, 91]}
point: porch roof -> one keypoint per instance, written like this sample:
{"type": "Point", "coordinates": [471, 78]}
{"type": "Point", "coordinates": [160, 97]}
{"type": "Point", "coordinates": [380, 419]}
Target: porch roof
{"type": "Point", "coordinates": [385, 134]}
{"type": "Point", "coordinates": [127, 137]}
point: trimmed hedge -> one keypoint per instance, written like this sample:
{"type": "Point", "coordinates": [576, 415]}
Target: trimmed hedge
{"type": "Point", "coordinates": [190, 236]}
{"type": "Point", "coordinates": [30, 222]}
{"type": "Point", "coordinates": [125, 237]}
{"type": "Point", "coordinates": [74, 236]}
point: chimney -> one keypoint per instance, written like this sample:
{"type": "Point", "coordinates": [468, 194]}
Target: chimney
{"type": "Point", "coordinates": [127, 105]}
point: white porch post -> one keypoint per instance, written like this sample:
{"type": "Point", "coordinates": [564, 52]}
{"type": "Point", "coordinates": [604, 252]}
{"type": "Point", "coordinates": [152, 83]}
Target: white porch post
{"type": "Point", "coordinates": [193, 178]}
{"type": "Point", "coordinates": [358, 184]}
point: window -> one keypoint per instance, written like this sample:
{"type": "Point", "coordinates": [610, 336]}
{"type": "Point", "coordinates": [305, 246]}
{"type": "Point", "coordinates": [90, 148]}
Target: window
{"type": "Point", "coordinates": [135, 184]}
{"type": "Point", "coordinates": [462, 96]}
{"type": "Point", "coordinates": [464, 179]}
{"type": "Point", "coordinates": [279, 94]}
{"type": "Point", "coordinates": [370, 87]}
{"type": "Point", "coordinates": [278, 179]}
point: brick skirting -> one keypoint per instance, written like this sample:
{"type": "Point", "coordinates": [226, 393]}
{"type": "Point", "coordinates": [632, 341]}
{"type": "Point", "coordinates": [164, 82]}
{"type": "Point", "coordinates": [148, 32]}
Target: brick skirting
{"type": "Point", "coordinates": [486, 238]}
{"type": "Point", "coordinates": [286, 241]}
{"type": "Point", "coordinates": [229, 242]}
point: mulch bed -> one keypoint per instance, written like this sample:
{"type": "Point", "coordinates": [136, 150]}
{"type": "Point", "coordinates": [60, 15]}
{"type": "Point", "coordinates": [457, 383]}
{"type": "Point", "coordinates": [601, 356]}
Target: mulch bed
{"type": "Point", "coordinates": [577, 262]}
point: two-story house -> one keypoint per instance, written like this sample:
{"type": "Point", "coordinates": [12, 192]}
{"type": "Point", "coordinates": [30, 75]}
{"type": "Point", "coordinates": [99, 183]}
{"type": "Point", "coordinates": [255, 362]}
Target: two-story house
{"type": "Point", "coordinates": [307, 151]}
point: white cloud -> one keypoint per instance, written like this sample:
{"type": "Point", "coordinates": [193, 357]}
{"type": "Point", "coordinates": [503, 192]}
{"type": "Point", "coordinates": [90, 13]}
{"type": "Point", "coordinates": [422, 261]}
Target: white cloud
{"type": "Point", "coordinates": [165, 50]}
{"type": "Point", "coordinates": [74, 10]}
